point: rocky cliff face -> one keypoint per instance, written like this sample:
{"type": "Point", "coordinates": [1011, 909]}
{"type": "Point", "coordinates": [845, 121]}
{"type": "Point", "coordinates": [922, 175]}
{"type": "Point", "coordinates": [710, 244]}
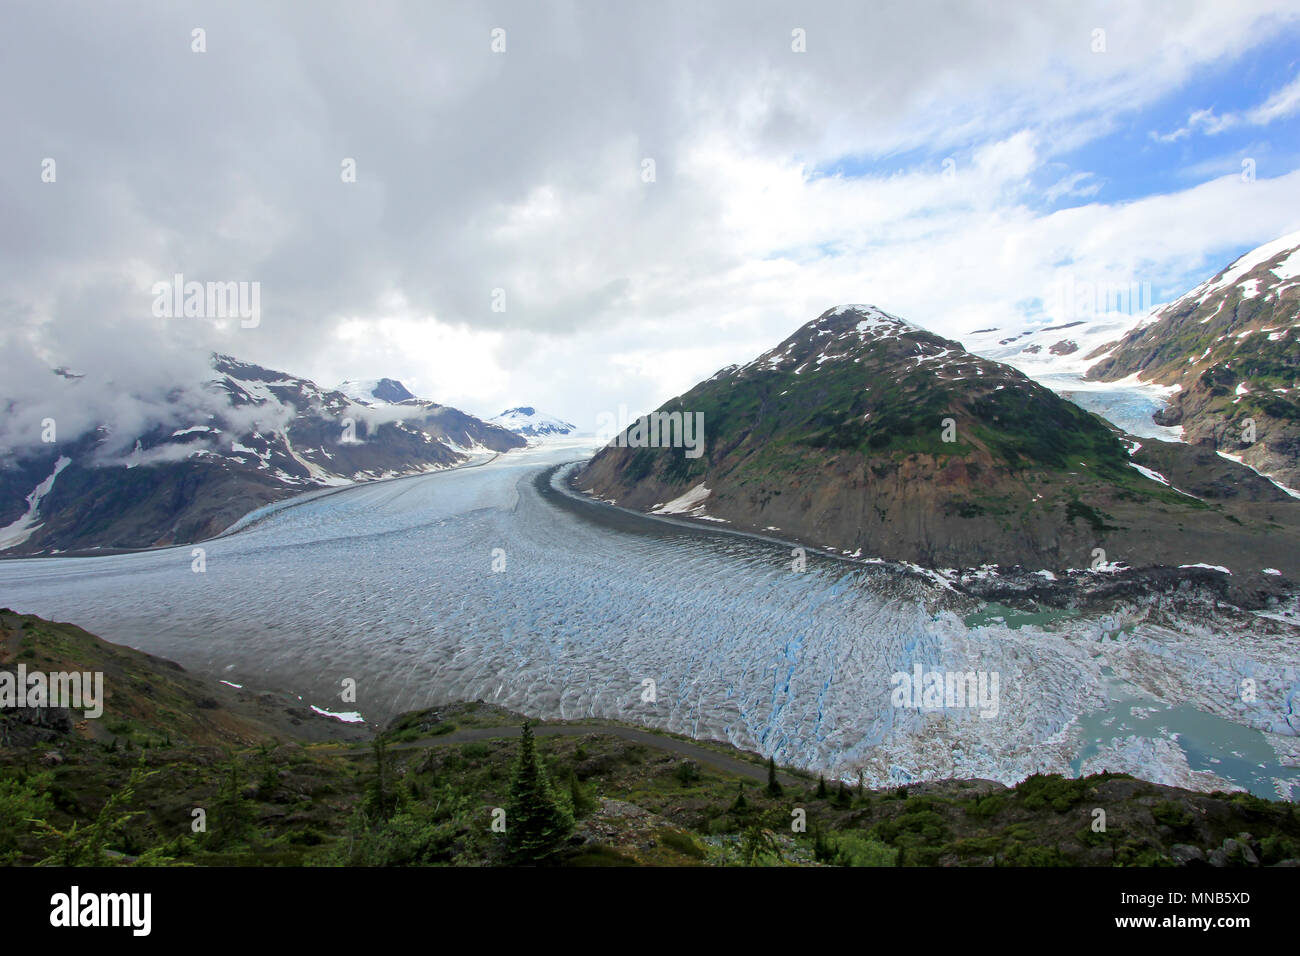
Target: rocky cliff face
{"type": "Point", "coordinates": [872, 437]}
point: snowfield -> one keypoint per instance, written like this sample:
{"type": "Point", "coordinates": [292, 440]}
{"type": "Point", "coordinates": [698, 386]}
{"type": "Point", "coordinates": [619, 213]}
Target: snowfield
{"type": "Point", "coordinates": [392, 584]}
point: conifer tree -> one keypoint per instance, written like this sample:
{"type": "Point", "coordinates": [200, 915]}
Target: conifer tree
{"type": "Point", "coordinates": [383, 799]}
{"type": "Point", "coordinates": [773, 785]}
{"type": "Point", "coordinates": [537, 823]}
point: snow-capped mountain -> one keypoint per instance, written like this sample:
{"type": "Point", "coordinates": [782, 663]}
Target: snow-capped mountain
{"type": "Point", "coordinates": [867, 435]}
{"type": "Point", "coordinates": [376, 391]}
{"type": "Point", "coordinates": [1228, 354]}
{"type": "Point", "coordinates": [217, 450]}
{"type": "Point", "coordinates": [526, 420]}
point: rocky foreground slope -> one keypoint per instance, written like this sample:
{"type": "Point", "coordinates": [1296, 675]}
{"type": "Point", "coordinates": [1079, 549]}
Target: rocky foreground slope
{"type": "Point", "coordinates": [1231, 347]}
{"type": "Point", "coordinates": [875, 438]}
{"type": "Point", "coordinates": [247, 437]}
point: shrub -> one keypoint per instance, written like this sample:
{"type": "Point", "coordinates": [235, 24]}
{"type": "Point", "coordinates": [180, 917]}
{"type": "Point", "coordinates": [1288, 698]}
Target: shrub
{"type": "Point", "coordinates": [1043, 790]}
{"type": "Point", "coordinates": [855, 848]}
{"type": "Point", "coordinates": [1171, 814]}
{"type": "Point", "coordinates": [21, 801]}
{"type": "Point", "coordinates": [983, 808]}
{"type": "Point", "coordinates": [682, 842]}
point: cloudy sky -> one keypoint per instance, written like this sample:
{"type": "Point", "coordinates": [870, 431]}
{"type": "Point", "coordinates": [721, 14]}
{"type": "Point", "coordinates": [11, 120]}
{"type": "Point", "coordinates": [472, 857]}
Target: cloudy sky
{"type": "Point", "coordinates": [948, 162]}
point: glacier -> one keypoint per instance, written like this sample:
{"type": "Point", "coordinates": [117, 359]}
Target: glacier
{"type": "Point", "coordinates": [495, 582]}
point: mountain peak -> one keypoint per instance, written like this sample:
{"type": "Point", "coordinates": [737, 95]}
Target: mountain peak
{"type": "Point", "coordinates": [848, 333]}
{"type": "Point", "coordinates": [866, 320]}
{"type": "Point", "coordinates": [527, 420]}
{"type": "Point", "coordinates": [376, 391]}
{"type": "Point", "coordinates": [1265, 269]}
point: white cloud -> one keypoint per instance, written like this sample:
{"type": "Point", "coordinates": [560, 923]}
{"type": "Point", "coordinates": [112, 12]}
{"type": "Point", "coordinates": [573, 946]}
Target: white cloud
{"type": "Point", "coordinates": [1282, 103]}
{"type": "Point", "coordinates": [523, 172]}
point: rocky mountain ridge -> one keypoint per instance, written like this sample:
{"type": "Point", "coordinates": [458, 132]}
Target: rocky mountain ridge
{"type": "Point", "coordinates": [259, 435]}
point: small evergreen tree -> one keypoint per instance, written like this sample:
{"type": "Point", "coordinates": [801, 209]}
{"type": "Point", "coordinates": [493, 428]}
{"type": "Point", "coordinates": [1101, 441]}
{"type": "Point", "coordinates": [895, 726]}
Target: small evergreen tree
{"type": "Point", "coordinates": [821, 788]}
{"type": "Point", "coordinates": [22, 800]}
{"type": "Point", "coordinates": [232, 818]}
{"type": "Point", "coordinates": [537, 823]}
{"type": "Point", "coordinates": [758, 847]}
{"type": "Point", "coordinates": [383, 798]}
{"type": "Point", "coordinates": [582, 801]}
{"type": "Point", "coordinates": [90, 845]}
{"type": "Point", "coordinates": [774, 788]}
{"type": "Point", "coordinates": [823, 850]}
{"type": "Point", "coordinates": [741, 804]}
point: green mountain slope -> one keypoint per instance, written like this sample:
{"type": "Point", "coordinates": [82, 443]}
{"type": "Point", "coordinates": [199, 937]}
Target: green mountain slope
{"type": "Point", "coordinates": [869, 436]}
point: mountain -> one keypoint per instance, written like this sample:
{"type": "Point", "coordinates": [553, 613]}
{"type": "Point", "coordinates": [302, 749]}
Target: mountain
{"type": "Point", "coordinates": [526, 420]}
{"type": "Point", "coordinates": [836, 438]}
{"type": "Point", "coordinates": [245, 438]}
{"type": "Point", "coordinates": [376, 391]}
{"type": "Point", "coordinates": [1229, 349]}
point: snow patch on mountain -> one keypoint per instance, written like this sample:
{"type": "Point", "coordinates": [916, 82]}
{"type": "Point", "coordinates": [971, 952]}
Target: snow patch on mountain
{"type": "Point", "coordinates": [16, 532]}
{"type": "Point", "coordinates": [376, 391]}
{"type": "Point", "coordinates": [875, 321]}
{"type": "Point", "coordinates": [691, 503]}
{"type": "Point", "coordinates": [1288, 268]}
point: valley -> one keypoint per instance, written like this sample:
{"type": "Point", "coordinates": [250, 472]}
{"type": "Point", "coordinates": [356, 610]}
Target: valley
{"type": "Point", "coordinates": [392, 585]}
